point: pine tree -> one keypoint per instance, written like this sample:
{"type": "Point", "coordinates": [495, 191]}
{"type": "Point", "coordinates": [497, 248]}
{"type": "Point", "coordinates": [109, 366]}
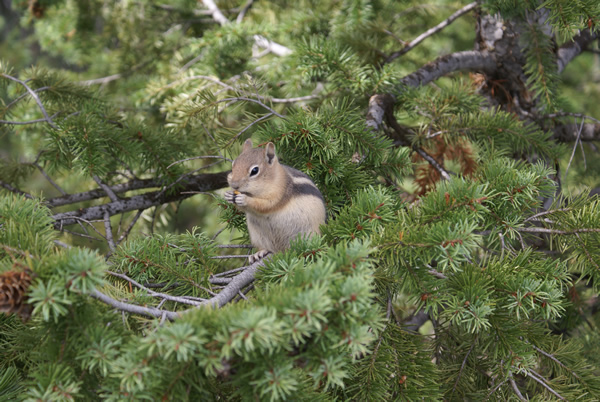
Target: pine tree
{"type": "Point", "coordinates": [461, 256]}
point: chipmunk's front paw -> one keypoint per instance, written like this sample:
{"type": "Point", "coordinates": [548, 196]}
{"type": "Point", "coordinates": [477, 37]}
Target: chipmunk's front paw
{"type": "Point", "coordinates": [229, 197]}
{"type": "Point", "coordinates": [258, 255]}
{"type": "Point", "coordinates": [235, 197]}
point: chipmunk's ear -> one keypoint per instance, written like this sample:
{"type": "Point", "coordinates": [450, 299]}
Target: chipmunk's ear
{"type": "Point", "coordinates": [247, 145]}
{"type": "Point", "coordinates": [270, 156]}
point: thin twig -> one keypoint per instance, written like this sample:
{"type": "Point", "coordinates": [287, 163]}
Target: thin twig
{"type": "Point", "coordinates": [566, 114]}
{"type": "Point", "coordinates": [462, 366]}
{"type": "Point", "coordinates": [111, 194]}
{"type": "Point", "coordinates": [515, 388]}
{"type": "Point", "coordinates": [35, 97]}
{"type": "Point", "coordinates": [230, 272]}
{"type": "Point", "coordinates": [496, 389]}
{"type": "Point", "coordinates": [102, 81]}
{"type": "Point", "coordinates": [542, 382]}
{"type": "Point", "coordinates": [557, 231]}
{"type": "Point", "coordinates": [543, 213]}
{"type": "Point", "coordinates": [133, 222]}
{"type": "Point", "coordinates": [413, 43]}
{"type": "Point", "coordinates": [199, 157]}
{"type": "Point", "coordinates": [43, 172]}
{"type": "Point", "coordinates": [574, 147]}
{"type": "Point", "coordinates": [24, 123]}
{"type": "Point", "coordinates": [223, 257]}
{"type": "Point", "coordinates": [243, 11]}
{"type": "Point", "coordinates": [554, 359]}
{"type": "Point", "coordinates": [152, 293]}
{"type": "Point", "coordinates": [132, 308]}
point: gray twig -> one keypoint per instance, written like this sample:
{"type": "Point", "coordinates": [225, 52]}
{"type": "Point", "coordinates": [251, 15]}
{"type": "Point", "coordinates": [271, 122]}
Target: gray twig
{"type": "Point", "coordinates": [108, 231]}
{"type": "Point", "coordinates": [132, 308]}
{"type": "Point", "coordinates": [413, 43]}
{"type": "Point", "coordinates": [35, 97]}
{"type": "Point", "coordinates": [43, 172]}
{"type": "Point", "coordinates": [111, 194]}
{"type": "Point", "coordinates": [542, 382]}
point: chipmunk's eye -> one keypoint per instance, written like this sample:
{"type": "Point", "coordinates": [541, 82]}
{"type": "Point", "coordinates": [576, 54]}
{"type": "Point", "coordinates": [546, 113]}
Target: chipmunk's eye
{"type": "Point", "coordinates": [254, 171]}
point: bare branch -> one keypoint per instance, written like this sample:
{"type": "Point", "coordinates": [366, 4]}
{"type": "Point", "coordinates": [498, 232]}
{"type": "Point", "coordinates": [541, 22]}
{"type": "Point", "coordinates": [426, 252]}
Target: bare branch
{"type": "Point", "coordinates": [165, 296]}
{"type": "Point", "coordinates": [215, 12]}
{"type": "Point", "coordinates": [202, 182]}
{"type": "Point", "coordinates": [574, 148]}
{"type": "Point", "coordinates": [554, 359]}
{"type": "Point", "coordinates": [132, 308]}
{"type": "Point", "coordinates": [469, 60]}
{"type": "Point", "coordinates": [572, 49]}
{"type": "Point", "coordinates": [102, 81]}
{"type": "Point", "coordinates": [113, 197]}
{"type": "Point", "coordinates": [15, 190]}
{"type": "Point", "coordinates": [239, 282]}
{"type": "Point", "coordinates": [413, 43]}
{"type": "Point", "coordinates": [544, 213]}
{"type": "Point", "coordinates": [557, 231]}
{"type": "Point", "coordinates": [462, 366]}
{"type": "Point", "coordinates": [43, 172]}
{"type": "Point", "coordinates": [99, 193]}
{"type": "Point", "coordinates": [542, 381]}
{"type": "Point", "coordinates": [515, 388]}
{"type": "Point", "coordinates": [23, 123]}
{"type": "Point", "coordinates": [243, 11]}
{"type": "Point", "coordinates": [131, 225]}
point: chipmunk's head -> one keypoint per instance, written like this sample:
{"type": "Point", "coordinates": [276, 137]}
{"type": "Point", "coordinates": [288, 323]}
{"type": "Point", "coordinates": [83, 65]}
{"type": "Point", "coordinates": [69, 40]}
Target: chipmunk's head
{"type": "Point", "coordinates": [254, 170]}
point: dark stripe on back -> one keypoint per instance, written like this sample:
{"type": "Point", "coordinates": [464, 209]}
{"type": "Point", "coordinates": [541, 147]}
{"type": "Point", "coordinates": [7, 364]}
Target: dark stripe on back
{"type": "Point", "coordinates": [307, 189]}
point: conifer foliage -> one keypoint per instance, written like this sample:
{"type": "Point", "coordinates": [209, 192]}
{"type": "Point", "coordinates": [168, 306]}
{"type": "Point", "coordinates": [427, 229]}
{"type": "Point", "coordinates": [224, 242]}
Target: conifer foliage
{"type": "Point", "coordinates": [461, 256]}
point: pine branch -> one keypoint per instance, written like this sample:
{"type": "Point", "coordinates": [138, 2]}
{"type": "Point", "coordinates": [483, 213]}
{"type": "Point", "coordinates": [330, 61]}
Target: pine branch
{"type": "Point", "coordinates": [432, 31]}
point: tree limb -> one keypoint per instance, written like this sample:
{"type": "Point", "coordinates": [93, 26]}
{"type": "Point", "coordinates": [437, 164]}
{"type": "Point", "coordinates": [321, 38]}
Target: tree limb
{"type": "Point", "coordinates": [572, 49]}
{"type": "Point", "coordinates": [469, 60]}
{"type": "Point", "coordinates": [201, 182]}
{"type": "Point", "coordinates": [132, 308]}
{"type": "Point", "coordinates": [15, 190]}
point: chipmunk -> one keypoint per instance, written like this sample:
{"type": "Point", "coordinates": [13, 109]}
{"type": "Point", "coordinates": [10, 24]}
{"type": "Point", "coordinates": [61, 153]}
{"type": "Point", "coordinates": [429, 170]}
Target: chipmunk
{"type": "Point", "coordinates": [280, 202]}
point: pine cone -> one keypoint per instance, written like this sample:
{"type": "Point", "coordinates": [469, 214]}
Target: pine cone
{"type": "Point", "coordinates": [13, 289]}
